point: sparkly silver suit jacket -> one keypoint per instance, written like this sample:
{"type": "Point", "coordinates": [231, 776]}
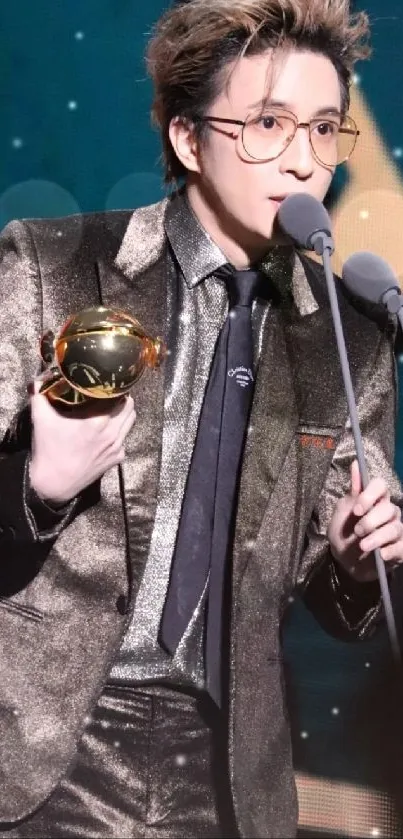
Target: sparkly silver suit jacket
{"type": "Point", "coordinates": [60, 621]}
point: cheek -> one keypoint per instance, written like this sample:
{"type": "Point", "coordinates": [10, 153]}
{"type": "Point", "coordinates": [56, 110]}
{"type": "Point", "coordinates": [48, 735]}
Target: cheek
{"type": "Point", "coordinates": [322, 183]}
{"type": "Point", "coordinates": [228, 177]}
{"type": "Point", "coordinates": [223, 167]}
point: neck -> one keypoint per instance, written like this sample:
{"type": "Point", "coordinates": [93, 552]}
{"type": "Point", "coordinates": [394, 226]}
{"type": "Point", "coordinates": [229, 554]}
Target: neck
{"type": "Point", "coordinates": [241, 248]}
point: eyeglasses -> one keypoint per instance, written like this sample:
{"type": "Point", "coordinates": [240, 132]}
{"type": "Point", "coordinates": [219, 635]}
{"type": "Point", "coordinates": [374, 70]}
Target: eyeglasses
{"type": "Point", "coordinates": [266, 136]}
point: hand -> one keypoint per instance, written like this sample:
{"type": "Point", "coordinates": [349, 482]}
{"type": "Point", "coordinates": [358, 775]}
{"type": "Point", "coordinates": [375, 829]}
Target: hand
{"type": "Point", "coordinates": [71, 451]}
{"type": "Point", "coordinates": [362, 521]}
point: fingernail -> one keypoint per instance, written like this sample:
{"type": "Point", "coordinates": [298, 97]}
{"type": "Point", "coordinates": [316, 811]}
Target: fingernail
{"type": "Point", "coordinates": [359, 530]}
{"type": "Point", "coordinates": [358, 510]}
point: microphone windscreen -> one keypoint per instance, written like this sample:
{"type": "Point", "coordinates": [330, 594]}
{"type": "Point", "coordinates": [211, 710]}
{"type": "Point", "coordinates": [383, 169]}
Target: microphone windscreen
{"type": "Point", "coordinates": [369, 276]}
{"type": "Point", "coordinates": [300, 216]}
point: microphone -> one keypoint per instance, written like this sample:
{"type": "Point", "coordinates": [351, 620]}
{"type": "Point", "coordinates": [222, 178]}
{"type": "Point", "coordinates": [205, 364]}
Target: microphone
{"type": "Point", "coordinates": [307, 222]}
{"type": "Point", "coordinates": [369, 276]}
{"type": "Point", "coordinates": [304, 219]}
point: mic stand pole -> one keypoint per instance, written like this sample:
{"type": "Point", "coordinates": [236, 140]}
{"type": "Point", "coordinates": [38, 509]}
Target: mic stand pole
{"type": "Point", "coordinates": [393, 300]}
{"type": "Point", "coordinates": [323, 246]}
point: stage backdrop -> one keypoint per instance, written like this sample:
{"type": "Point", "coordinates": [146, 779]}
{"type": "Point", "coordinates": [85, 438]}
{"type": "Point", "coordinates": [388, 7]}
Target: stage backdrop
{"type": "Point", "coordinates": [75, 136]}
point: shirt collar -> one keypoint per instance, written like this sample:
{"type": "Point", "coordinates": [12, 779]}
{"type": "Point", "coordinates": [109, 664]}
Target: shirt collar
{"type": "Point", "coordinates": [195, 251]}
{"type": "Point", "coordinates": [199, 257]}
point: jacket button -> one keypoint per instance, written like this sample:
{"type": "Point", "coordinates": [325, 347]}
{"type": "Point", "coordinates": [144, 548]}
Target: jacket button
{"type": "Point", "coordinates": [121, 604]}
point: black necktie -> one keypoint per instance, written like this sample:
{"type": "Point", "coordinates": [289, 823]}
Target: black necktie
{"type": "Point", "coordinates": [204, 532]}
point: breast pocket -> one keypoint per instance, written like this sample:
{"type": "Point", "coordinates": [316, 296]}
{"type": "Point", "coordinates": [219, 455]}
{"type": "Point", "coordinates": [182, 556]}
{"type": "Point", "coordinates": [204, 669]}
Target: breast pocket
{"type": "Point", "coordinates": [318, 438]}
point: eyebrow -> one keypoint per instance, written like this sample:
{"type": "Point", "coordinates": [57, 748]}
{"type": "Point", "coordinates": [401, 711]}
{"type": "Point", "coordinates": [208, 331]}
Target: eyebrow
{"type": "Point", "coordinates": [275, 103]}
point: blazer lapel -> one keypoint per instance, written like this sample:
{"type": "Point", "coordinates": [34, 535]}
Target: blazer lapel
{"type": "Point", "coordinates": [274, 419]}
{"type": "Point", "coordinates": [140, 290]}
{"type": "Point", "coordinates": [299, 385]}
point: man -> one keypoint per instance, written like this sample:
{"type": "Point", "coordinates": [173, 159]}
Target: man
{"type": "Point", "coordinates": [141, 690]}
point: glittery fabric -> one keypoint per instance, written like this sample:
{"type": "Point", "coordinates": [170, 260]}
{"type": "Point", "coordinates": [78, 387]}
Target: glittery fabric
{"type": "Point", "coordinates": [286, 497]}
{"type": "Point", "coordinates": [150, 765]}
{"type": "Point", "coordinates": [196, 309]}
{"type": "Point", "coordinates": [44, 649]}
{"type": "Point", "coordinates": [65, 607]}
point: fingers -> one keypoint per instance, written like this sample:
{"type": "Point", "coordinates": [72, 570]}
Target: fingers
{"type": "Point", "coordinates": [115, 434]}
{"type": "Point", "coordinates": [33, 387]}
{"type": "Point", "coordinates": [363, 521]}
{"type": "Point", "coordinates": [109, 415]}
{"type": "Point", "coordinates": [41, 407]}
{"type": "Point", "coordinates": [390, 533]}
{"type": "Point", "coordinates": [356, 484]}
{"type": "Point", "coordinates": [374, 492]}
{"type": "Point", "coordinates": [382, 528]}
{"type": "Point", "coordinates": [381, 514]}
{"type": "Point", "coordinates": [127, 425]}
{"type": "Point", "coordinates": [103, 409]}
{"type": "Point", "coordinates": [123, 408]}
{"type": "Point", "coordinates": [393, 553]}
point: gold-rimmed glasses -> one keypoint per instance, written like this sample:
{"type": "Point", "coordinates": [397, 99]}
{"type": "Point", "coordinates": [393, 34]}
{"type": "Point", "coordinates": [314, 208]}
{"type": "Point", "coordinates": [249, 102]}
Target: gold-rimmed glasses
{"type": "Point", "coordinates": [266, 135]}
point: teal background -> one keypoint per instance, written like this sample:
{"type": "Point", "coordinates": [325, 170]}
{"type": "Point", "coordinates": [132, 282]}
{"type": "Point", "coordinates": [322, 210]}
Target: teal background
{"type": "Point", "coordinates": [75, 136]}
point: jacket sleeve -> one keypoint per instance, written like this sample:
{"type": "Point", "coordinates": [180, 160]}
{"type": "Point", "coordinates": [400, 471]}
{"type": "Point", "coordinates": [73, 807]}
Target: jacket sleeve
{"type": "Point", "coordinates": [344, 607]}
{"type": "Point", "coordinates": [24, 518]}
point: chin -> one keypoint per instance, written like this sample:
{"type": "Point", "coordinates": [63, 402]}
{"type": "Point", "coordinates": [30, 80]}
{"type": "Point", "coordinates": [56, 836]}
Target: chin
{"type": "Point", "coordinates": [265, 236]}
{"type": "Point", "coordinates": [267, 230]}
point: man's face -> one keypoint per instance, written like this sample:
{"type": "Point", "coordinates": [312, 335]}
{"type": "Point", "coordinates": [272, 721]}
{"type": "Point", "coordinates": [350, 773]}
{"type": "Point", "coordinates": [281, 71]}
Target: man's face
{"type": "Point", "coordinates": [242, 193]}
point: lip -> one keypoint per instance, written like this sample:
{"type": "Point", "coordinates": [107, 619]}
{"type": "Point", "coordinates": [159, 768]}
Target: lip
{"type": "Point", "coordinates": [278, 199]}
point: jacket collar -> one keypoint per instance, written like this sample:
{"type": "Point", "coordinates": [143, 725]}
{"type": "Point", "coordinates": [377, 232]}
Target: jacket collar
{"type": "Point", "coordinates": [197, 254]}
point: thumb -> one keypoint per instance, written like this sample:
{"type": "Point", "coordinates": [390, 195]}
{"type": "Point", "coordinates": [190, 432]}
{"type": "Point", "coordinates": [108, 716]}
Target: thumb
{"type": "Point", "coordinates": [34, 386]}
{"type": "Point", "coordinates": [40, 405]}
{"type": "Point", "coordinates": [356, 485]}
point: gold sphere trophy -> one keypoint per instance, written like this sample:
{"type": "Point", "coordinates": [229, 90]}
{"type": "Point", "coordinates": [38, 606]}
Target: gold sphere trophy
{"type": "Point", "coordinates": [98, 354]}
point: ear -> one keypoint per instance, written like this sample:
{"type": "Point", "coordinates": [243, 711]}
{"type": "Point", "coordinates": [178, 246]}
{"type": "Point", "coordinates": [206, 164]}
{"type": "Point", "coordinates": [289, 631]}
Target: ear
{"type": "Point", "coordinates": [184, 143]}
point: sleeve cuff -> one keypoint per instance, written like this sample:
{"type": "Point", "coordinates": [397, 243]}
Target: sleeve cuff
{"type": "Point", "coordinates": [46, 520]}
{"type": "Point", "coordinates": [350, 591]}
{"type": "Point", "coordinates": [345, 608]}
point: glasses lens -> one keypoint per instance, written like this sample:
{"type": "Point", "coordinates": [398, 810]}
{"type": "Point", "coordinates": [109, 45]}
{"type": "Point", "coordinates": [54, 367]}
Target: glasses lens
{"type": "Point", "coordinates": [267, 135]}
{"type": "Point", "coordinates": [333, 140]}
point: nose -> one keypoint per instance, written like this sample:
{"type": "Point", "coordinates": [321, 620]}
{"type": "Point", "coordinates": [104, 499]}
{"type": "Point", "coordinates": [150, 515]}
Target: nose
{"type": "Point", "coordinates": [298, 158]}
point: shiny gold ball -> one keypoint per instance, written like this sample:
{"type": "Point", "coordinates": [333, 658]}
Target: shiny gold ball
{"type": "Point", "coordinates": [98, 354]}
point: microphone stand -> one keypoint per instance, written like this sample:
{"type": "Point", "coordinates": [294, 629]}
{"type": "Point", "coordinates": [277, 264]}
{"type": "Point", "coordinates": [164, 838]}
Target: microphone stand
{"type": "Point", "coordinates": [393, 300]}
{"type": "Point", "coordinates": [324, 247]}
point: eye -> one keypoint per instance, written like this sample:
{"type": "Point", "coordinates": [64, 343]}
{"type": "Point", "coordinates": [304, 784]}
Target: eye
{"type": "Point", "coordinates": [326, 129]}
{"type": "Point", "coordinates": [268, 121]}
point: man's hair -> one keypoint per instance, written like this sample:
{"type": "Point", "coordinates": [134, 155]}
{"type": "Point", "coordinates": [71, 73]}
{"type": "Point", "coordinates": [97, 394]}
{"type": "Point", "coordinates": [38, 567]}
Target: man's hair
{"type": "Point", "coordinates": [195, 40]}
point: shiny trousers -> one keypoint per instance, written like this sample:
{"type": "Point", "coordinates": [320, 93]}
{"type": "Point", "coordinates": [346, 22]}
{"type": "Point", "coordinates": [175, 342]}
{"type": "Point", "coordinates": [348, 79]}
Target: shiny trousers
{"type": "Point", "coordinates": [151, 763]}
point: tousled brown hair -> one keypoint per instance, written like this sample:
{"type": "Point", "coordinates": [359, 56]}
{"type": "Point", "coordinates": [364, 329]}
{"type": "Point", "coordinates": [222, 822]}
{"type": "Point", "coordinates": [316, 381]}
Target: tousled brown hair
{"type": "Point", "coordinates": [195, 41]}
